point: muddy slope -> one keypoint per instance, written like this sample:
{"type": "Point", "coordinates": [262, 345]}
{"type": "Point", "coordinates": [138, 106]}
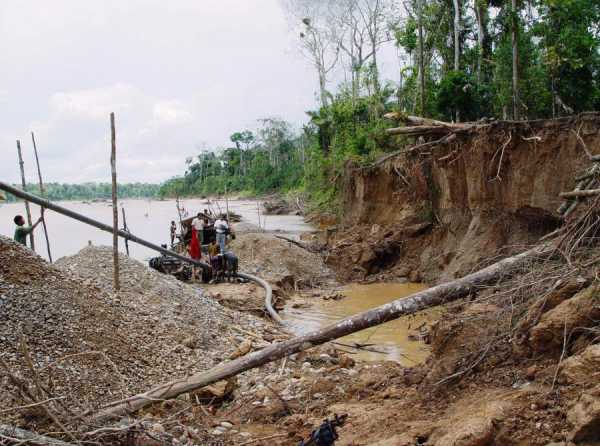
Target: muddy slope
{"type": "Point", "coordinates": [495, 186]}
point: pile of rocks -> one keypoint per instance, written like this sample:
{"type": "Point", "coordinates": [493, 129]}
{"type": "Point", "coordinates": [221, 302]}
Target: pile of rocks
{"type": "Point", "coordinates": [90, 345]}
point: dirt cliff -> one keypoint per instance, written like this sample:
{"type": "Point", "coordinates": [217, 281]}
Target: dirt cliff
{"type": "Point", "coordinates": [438, 211]}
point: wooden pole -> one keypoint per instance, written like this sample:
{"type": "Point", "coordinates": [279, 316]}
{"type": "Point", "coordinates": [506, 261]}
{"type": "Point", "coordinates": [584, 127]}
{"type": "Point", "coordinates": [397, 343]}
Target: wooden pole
{"type": "Point", "coordinates": [436, 295]}
{"type": "Point", "coordinates": [226, 203]}
{"type": "Point", "coordinates": [258, 214]}
{"type": "Point", "coordinates": [24, 184]}
{"type": "Point", "coordinates": [43, 195]}
{"type": "Point", "coordinates": [113, 168]}
{"type": "Point", "coordinates": [126, 229]}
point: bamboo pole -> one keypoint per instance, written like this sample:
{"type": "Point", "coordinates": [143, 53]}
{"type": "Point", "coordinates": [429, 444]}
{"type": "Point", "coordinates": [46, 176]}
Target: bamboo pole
{"type": "Point", "coordinates": [126, 229]}
{"type": "Point", "coordinates": [436, 295]}
{"type": "Point", "coordinates": [24, 184]}
{"type": "Point", "coordinates": [43, 194]}
{"type": "Point", "coordinates": [226, 203]}
{"type": "Point", "coordinates": [113, 169]}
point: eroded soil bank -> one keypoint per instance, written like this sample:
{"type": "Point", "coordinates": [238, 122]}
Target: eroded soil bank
{"type": "Point", "coordinates": [438, 212]}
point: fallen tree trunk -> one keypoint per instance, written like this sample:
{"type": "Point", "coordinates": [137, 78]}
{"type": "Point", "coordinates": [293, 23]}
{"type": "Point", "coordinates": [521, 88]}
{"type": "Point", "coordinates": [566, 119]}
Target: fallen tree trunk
{"type": "Point", "coordinates": [431, 297]}
{"type": "Point", "coordinates": [416, 120]}
{"type": "Point", "coordinates": [23, 436]}
{"type": "Point", "coordinates": [580, 193]}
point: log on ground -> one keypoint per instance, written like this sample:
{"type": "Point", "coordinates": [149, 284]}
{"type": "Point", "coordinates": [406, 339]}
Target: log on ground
{"type": "Point", "coordinates": [437, 295]}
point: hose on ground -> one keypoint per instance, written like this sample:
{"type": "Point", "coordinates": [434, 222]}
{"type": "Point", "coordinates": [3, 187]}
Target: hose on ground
{"type": "Point", "coordinates": [268, 296]}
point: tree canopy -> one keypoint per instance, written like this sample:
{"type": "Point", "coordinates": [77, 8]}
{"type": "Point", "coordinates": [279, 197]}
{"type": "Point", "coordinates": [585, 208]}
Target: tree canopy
{"type": "Point", "coordinates": [460, 60]}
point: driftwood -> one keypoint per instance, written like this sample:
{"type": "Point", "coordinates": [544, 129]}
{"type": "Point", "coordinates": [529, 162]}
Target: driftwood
{"type": "Point", "coordinates": [17, 435]}
{"type": "Point", "coordinates": [401, 307]}
{"type": "Point", "coordinates": [580, 193]}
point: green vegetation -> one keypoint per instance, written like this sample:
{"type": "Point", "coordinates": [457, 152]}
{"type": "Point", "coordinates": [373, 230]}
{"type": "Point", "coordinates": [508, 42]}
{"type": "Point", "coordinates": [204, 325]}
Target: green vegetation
{"type": "Point", "coordinates": [92, 191]}
{"type": "Point", "coordinates": [458, 64]}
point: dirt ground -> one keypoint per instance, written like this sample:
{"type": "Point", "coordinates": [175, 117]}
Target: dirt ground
{"type": "Point", "coordinates": [501, 372]}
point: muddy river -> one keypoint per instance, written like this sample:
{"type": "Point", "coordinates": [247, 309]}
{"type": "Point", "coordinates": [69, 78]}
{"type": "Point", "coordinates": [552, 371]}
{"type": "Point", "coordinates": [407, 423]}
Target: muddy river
{"type": "Point", "coordinates": [148, 219]}
{"type": "Point", "coordinates": [390, 341]}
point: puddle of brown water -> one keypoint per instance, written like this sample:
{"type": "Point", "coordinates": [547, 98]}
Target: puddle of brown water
{"type": "Point", "coordinates": [390, 338]}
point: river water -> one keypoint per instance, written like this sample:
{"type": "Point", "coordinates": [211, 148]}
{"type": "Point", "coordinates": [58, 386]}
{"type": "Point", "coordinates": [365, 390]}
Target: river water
{"type": "Point", "coordinates": [390, 341]}
{"type": "Point", "coordinates": [147, 219]}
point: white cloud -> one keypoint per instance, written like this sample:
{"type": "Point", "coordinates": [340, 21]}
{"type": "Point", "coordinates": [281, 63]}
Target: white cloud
{"type": "Point", "coordinates": [177, 74]}
{"type": "Point", "coordinates": [171, 112]}
{"type": "Point", "coordinates": [96, 104]}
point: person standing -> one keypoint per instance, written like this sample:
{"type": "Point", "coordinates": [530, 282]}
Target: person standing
{"type": "Point", "coordinates": [22, 231]}
{"type": "Point", "coordinates": [195, 253]}
{"type": "Point", "coordinates": [173, 230]}
{"type": "Point", "coordinates": [222, 229]}
{"type": "Point", "coordinates": [198, 227]}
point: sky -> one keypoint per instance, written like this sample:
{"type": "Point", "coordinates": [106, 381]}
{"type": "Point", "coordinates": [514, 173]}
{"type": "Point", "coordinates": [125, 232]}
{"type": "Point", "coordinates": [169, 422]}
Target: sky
{"type": "Point", "coordinates": [180, 76]}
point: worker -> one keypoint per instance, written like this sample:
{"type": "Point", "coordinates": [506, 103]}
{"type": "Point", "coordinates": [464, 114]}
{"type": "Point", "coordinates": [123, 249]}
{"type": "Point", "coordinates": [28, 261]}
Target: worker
{"type": "Point", "coordinates": [198, 226]}
{"type": "Point", "coordinates": [173, 230]}
{"type": "Point", "coordinates": [213, 249]}
{"type": "Point", "coordinates": [204, 238]}
{"type": "Point", "coordinates": [216, 260]}
{"type": "Point", "coordinates": [222, 229]}
{"type": "Point", "coordinates": [22, 231]}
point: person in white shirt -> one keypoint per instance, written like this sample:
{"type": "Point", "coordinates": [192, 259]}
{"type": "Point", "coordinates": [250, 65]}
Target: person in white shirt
{"type": "Point", "coordinates": [198, 226]}
{"type": "Point", "coordinates": [222, 229]}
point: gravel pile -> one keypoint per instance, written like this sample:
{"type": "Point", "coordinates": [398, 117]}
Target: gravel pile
{"type": "Point", "coordinates": [278, 260]}
{"type": "Point", "coordinates": [90, 345]}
